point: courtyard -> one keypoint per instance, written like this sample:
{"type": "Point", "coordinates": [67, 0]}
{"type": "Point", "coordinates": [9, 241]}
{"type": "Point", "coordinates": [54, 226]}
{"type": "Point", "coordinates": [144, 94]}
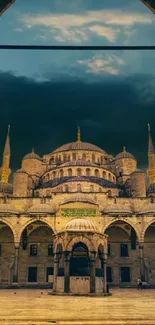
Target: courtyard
{"type": "Point", "coordinates": [36, 307]}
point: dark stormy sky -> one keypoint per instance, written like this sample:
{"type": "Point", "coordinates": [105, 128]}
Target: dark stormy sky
{"type": "Point", "coordinates": [45, 96]}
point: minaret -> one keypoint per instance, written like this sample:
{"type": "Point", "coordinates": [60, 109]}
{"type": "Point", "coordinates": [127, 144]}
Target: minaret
{"type": "Point", "coordinates": [151, 158]}
{"type": "Point", "coordinates": [5, 169]}
{"type": "Point", "coordinates": [79, 135]}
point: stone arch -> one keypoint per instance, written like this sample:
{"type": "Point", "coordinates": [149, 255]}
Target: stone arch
{"type": "Point", "coordinates": [58, 241]}
{"type": "Point", "coordinates": [7, 223]}
{"type": "Point", "coordinates": [145, 229]}
{"type": "Point", "coordinates": [47, 223]}
{"type": "Point", "coordinates": [82, 239]}
{"type": "Point", "coordinates": [113, 221]}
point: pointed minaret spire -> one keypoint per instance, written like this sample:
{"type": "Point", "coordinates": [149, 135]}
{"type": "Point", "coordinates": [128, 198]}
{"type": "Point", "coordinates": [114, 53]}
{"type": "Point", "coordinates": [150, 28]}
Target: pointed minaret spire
{"type": "Point", "coordinates": [5, 170]}
{"type": "Point", "coordinates": [150, 143]}
{"type": "Point", "coordinates": [7, 143]}
{"type": "Point", "coordinates": [124, 149]}
{"type": "Point", "coordinates": [79, 135]}
{"type": "Point", "coordinates": [151, 157]}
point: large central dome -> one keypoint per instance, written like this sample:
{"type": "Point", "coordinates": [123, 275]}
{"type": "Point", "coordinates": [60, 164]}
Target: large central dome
{"type": "Point", "coordinates": [79, 145]}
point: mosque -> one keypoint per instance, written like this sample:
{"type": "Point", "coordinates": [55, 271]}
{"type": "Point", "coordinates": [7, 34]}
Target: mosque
{"type": "Point", "coordinates": [76, 219]}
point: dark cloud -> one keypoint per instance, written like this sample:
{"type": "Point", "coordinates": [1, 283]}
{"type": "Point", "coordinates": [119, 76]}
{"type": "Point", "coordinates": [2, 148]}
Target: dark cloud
{"type": "Point", "coordinates": [45, 115]}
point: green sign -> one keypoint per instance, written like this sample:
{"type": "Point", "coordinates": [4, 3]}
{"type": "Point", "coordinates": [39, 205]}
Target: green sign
{"type": "Point", "coordinates": [78, 212]}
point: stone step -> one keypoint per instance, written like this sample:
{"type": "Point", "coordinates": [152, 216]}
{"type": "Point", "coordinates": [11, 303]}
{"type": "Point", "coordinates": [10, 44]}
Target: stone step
{"type": "Point", "coordinates": [78, 322]}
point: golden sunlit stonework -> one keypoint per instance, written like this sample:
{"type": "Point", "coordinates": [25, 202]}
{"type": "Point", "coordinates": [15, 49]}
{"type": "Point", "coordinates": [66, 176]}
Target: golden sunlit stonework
{"type": "Point", "coordinates": [77, 219]}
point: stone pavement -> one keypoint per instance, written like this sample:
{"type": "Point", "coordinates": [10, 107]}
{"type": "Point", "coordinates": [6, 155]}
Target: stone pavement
{"type": "Point", "coordinates": [36, 307]}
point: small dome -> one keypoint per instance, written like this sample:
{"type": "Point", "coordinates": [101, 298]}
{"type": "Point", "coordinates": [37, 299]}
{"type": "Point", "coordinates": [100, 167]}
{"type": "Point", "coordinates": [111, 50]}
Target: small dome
{"type": "Point", "coordinates": [32, 155]}
{"type": "Point", "coordinates": [79, 198]}
{"type": "Point", "coordinates": [22, 171]}
{"type": "Point", "coordinates": [80, 224]}
{"type": "Point", "coordinates": [124, 154]}
{"type": "Point", "coordinates": [117, 208]}
{"type": "Point", "coordinates": [79, 162]}
{"type": "Point", "coordinates": [151, 188]}
{"type": "Point", "coordinates": [7, 208]}
{"type": "Point", "coordinates": [6, 188]}
{"type": "Point", "coordinates": [41, 208]}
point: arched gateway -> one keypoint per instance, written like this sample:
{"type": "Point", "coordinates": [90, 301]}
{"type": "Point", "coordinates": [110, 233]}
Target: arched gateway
{"type": "Point", "coordinates": [80, 259]}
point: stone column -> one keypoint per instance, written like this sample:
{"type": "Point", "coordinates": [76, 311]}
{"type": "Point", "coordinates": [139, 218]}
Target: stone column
{"type": "Point", "coordinates": [56, 267]}
{"type": "Point", "coordinates": [141, 257]}
{"type": "Point", "coordinates": [92, 275]}
{"type": "Point", "coordinates": [15, 265]}
{"type": "Point", "coordinates": [67, 256]}
{"type": "Point", "coordinates": [105, 273]}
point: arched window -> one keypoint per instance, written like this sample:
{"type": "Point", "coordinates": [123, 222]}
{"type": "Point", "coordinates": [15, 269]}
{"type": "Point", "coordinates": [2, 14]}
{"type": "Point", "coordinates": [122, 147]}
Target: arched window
{"type": "Point", "coordinates": [110, 178]}
{"type": "Point", "coordinates": [79, 187]}
{"type": "Point", "coordinates": [70, 172]}
{"type": "Point", "coordinates": [88, 172]}
{"type": "Point", "coordinates": [61, 173]}
{"type": "Point", "coordinates": [100, 189]}
{"type": "Point", "coordinates": [69, 157]}
{"type": "Point", "coordinates": [109, 193]}
{"type": "Point", "coordinates": [93, 157]}
{"type": "Point", "coordinates": [102, 160]}
{"type": "Point", "coordinates": [84, 156]}
{"type": "Point", "coordinates": [64, 157]}
{"type": "Point", "coordinates": [53, 175]}
{"type": "Point", "coordinates": [74, 156]}
{"type": "Point", "coordinates": [60, 158]}
{"type": "Point", "coordinates": [104, 175]}
{"type": "Point", "coordinates": [113, 179]}
{"type": "Point", "coordinates": [79, 172]}
{"type": "Point", "coordinates": [91, 188]}
{"type": "Point", "coordinates": [97, 173]}
{"type": "Point", "coordinates": [52, 160]}
{"type": "Point", "coordinates": [47, 177]}
{"type": "Point", "coordinates": [66, 188]}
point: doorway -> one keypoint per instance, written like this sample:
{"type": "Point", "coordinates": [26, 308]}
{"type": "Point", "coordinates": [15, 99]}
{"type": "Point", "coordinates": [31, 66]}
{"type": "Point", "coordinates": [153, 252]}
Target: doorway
{"type": "Point", "coordinates": [125, 274]}
{"type": "Point", "coordinates": [32, 274]}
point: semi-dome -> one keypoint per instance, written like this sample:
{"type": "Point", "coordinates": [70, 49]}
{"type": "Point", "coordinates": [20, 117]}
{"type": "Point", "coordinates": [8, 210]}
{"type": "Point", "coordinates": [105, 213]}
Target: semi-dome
{"type": "Point", "coordinates": [78, 145]}
{"type": "Point", "coordinates": [6, 188]}
{"type": "Point", "coordinates": [41, 208]}
{"type": "Point", "coordinates": [20, 171]}
{"type": "Point", "coordinates": [7, 208]}
{"type": "Point", "coordinates": [79, 198]}
{"type": "Point", "coordinates": [80, 224]}
{"type": "Point", "coordinates": [79, 162]}
{"type": "Point", "coordinates": [32, 155]}
{"type": "Point", "coordinates": [124, 154]}
{"type": "Point", "coordinates": [117, 208]}
{"type": "Point", "coordinates": [140, 171]}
